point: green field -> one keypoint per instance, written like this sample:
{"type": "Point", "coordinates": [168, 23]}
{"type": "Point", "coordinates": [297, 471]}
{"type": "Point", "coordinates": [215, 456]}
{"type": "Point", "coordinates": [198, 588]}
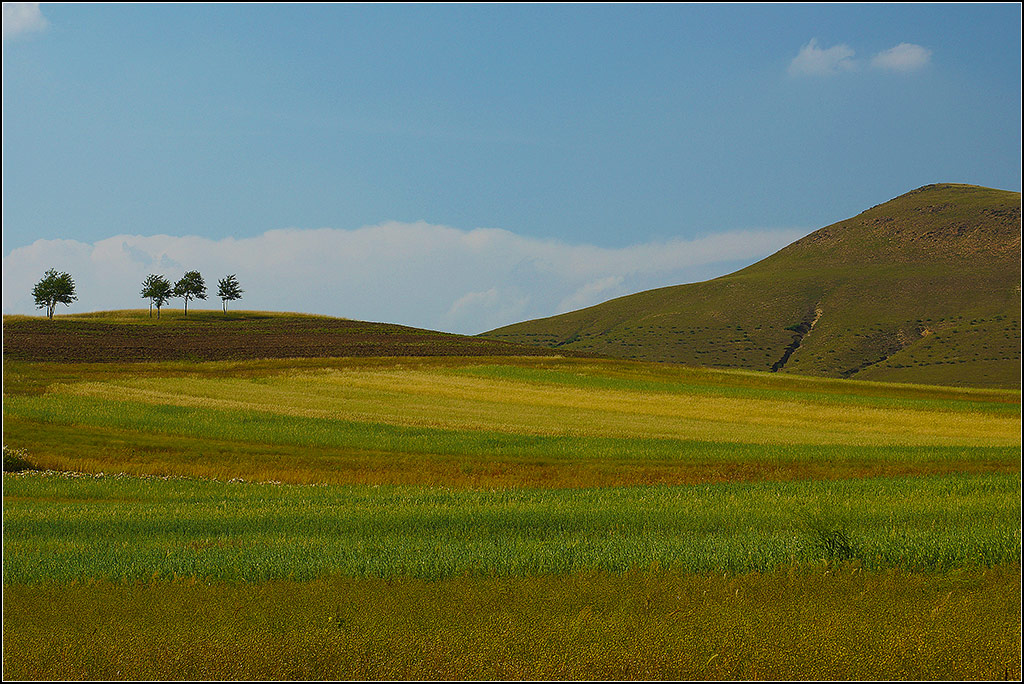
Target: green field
{"type": "Point", "coordinates": [505, 517]}
{"type": "Point", "coordinates": [69, 529]}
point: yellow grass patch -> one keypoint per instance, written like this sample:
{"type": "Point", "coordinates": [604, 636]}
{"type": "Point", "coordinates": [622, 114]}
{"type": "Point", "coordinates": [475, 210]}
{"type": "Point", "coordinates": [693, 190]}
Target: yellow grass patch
{"type": "Point", "coordinates": [438, 398]}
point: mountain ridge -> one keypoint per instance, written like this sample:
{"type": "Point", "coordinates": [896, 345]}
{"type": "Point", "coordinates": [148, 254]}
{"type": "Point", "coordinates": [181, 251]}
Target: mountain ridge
{"type": "Point", "coordinates": [922, 288]}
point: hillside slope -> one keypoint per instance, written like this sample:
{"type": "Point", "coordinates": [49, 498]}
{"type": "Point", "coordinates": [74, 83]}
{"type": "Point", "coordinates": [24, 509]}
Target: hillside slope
{"type": "Point", "coordinates": [116, 336]}
{"type": "Point", "coordinates": [923, 288]}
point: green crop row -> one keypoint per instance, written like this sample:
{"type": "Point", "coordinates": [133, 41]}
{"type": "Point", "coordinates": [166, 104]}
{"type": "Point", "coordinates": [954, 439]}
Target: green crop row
{"type": "Point", "coordinates": [59, 528]}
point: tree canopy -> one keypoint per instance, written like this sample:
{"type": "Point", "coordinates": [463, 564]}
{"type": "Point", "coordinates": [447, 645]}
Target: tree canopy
{"type": "Point", "coordinates": [54, 288]}
{"type": "Point", "coordinates": [228, 290]}
{"type": "Point", "coordinates": [157, 289]}
{"type": "Point", "coordinates": [191, 286]}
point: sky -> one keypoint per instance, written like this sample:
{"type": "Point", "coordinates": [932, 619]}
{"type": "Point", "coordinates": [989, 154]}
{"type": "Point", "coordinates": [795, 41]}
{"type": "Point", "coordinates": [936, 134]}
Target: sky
{"type": "Point", "coordinates": [461, 167]}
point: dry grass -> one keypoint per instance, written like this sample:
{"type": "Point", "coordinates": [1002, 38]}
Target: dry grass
{"type": "Point", "coordinates": [488, 423]}
{"type": "Point", "coordinates": [812, 624]}
{"type": "Point", "coordinates": [440, 399]}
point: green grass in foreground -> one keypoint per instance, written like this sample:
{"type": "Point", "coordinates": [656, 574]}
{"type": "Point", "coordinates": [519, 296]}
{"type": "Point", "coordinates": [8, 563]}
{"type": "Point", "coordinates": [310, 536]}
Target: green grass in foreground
{"type": "Point", "coordinates": [838, 623]}
{"type": "Point", "coordinates": [62, 529]}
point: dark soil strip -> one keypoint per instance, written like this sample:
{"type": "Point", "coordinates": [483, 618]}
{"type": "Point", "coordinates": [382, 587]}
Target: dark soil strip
{"type": "Point", "coordinates": [800, 332]}
{"type": "Point", "coordinates": [75, 341]}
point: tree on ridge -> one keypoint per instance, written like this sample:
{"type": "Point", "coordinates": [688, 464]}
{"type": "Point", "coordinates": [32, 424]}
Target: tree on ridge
{"type": "Point", "coordinates": [191, 286]}
{"type": "Point", "coordinates": [54, 288]}
{"type": "Point", "coordinates": [228, 290]}
{"type": "Point", "coordinates": [157, 290]}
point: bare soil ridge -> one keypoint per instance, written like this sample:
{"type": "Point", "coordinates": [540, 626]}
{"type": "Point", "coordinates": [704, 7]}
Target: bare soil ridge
{"type": "Point", "coordinates": [125, 336]}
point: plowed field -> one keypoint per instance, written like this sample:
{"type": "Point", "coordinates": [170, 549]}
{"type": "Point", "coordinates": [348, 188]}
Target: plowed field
{"type": "Point", "coordinates": [213, 336]}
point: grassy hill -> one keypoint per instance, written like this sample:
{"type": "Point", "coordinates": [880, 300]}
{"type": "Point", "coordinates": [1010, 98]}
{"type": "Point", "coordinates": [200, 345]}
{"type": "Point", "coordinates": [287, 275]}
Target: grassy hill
{"type": "Point", "coordinates": [924, 288]}
{"type": "Point", "coordinates": [113, 336]}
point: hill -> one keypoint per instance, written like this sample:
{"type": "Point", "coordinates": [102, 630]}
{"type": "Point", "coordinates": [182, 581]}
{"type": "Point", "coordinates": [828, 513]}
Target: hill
{"type": "Point", "coordinates": [924, 288]}
{"type": "Point", "coordinates": [115, 336]}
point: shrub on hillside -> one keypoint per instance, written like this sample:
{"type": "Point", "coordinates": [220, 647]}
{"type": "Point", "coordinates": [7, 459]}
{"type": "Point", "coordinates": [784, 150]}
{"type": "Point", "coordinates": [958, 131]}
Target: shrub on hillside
{"type": "Point", "coordinates": [16, 460]}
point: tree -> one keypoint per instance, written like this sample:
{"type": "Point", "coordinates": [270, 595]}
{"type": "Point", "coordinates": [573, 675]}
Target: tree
{"type": "Point", "coordinates": [191, 286]}
{"type": "Point", "coordinates": [55, 288]}
{"type": "Point", "coordinates": [157, 290]}
{"type": "Point", "coordinates": [228, 290]}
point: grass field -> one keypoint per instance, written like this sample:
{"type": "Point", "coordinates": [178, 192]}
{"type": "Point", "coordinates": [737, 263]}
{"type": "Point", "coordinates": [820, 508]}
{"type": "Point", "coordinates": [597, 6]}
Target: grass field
{"type": "Point", "coordinates": [76, 529]}
{"type": "Point", "coordinates": [838, 624]}
{"type": "Point", "coordinates": [505, 517]}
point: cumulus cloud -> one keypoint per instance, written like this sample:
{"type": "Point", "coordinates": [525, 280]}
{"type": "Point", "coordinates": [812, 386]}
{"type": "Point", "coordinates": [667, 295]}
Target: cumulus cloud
{"type": "Point", "coordinates": [904, 57]}
{"type": "Point", "coordinates": [416, 274]}
{"type": "Point", "coordinates": [22, 17]}
{"type": "Point", "coordinates": [815, 61]}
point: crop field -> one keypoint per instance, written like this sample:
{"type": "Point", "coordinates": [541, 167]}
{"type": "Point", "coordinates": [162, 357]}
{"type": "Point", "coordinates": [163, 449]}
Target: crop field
{"type": "Point", "coordinates": [203, 335]}
{"type": "Point", "coordinates": [504, 517]}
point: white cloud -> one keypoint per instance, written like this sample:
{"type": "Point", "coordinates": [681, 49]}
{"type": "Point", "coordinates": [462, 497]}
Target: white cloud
{"type": "Point", "coordinates": [904, 57]}
{"type": "Point", "coordinates": [814, 61]}
{"type": "Point", "coordinates": [411, 273]}
{"type": "Point", "coordinates": [594, 292]}
{"type": "Point", "coordinates": [22, 17]}
{"type": "Point", "coordinates": [479, 311]}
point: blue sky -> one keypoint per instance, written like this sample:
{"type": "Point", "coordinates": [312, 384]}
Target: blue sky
{"type": "Point", "coordinates": [549, 138]}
